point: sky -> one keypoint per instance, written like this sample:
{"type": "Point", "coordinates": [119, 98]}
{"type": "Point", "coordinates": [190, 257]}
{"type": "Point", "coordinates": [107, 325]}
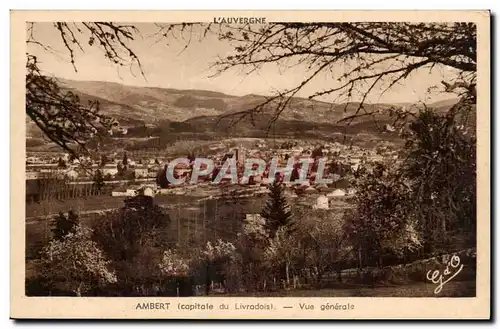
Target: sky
{"type": "Point", "coordinates": [168, 64]}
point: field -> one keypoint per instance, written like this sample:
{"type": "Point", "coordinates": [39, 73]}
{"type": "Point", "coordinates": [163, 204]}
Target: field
{"type": "Point", "coordinates": [193, 222]}
{"type": "Point", "coordinates": [94, 203]}
{"type": "Point", "coordinates": [450, 289]}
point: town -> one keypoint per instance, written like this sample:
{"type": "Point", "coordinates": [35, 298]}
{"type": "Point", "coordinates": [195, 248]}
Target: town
{"type": "Point", "coordinates": [131, 173]}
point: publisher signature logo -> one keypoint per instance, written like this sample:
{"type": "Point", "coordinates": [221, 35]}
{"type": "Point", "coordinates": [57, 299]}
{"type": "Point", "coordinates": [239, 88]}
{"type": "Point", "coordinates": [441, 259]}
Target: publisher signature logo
{"type": "Point", "coordinates": [452, 269]}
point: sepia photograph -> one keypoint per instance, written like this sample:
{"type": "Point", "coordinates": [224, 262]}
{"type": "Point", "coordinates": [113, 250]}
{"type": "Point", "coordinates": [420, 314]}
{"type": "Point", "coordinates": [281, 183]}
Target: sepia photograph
{"type": "Point", "coordinates": [245, 156]}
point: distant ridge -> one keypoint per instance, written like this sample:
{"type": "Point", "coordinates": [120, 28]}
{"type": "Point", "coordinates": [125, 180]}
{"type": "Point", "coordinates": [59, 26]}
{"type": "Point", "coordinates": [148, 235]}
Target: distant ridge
{"type": "Point", "coordinates": [153, 104]}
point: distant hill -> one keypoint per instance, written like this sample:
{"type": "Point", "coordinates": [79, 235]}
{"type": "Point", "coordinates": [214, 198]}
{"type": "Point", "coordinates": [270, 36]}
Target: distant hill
{"type": "Point", "coordinates": [206, 112]}
{"type": "Point", "coordinates": [151, 105]}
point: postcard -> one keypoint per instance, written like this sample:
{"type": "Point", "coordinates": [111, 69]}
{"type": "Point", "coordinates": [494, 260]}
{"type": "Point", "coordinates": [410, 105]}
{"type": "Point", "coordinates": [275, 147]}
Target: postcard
{"type": "Point", "coordinates": [250, 165]}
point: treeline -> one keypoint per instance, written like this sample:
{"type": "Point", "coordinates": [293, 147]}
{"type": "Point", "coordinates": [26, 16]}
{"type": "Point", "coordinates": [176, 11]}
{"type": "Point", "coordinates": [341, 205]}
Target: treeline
{"type": "Point", "coordinates": [59, 189]}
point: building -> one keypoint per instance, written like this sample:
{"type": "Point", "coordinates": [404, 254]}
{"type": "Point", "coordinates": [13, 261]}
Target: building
{"type": "Point", "coordinates": [337, 193]}
{"type": "Point", "coordinates": [109, 169]}
{"type": "Point", "coordinates": [124, 191]}
{"type": "Point", "coordinates": [146, 191]}
{"type": "Point", "coordinates": [33, 160]}
{"type": "Point", "coordinates": [30, 175]}
{"type": "Point", "coordinates": [120, 191]}
{"type": "Point", "coordinates": [141, 172]}
{"type": "Point", "coordinates": [71, 174]}
{"type": "Point", "coordinates": [322, 202]}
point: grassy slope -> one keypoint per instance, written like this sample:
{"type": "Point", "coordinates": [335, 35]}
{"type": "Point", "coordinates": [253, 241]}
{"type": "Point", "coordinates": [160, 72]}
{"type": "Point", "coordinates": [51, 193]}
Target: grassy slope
{"type": "Point", "coordinates": [450, 289]}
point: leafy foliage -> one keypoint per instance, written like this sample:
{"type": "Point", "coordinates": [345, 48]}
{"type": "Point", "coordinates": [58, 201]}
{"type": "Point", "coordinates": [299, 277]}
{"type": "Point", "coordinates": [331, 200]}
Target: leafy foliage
{"type": "Point", "coordinates": [161, 178]}
{"type": "Point", "coordinates": [63, 225]}
{"type": "Point", "coordinates": [98, 180]}
{"type": "Point", "coordinates": [324, 242]}
{"type": "Point", "coordinates": [76, 262]}
{"type": "Point", "coordinates": [441, 168]}
{"type": "Point", "coordinates": [123, 232]}
{"type": "Point", "coordinates": [426, 202]}
{"type": "Point", "coordinates": [280, 252]}
{"type": "Point", "coordinates": [276, 211]}
{"type": "Point", "coordinates": [382, 220]}
{"type": "Point", "coordinates": [134, 238]}
{"type": "Point", "coordinates": [173, 265]}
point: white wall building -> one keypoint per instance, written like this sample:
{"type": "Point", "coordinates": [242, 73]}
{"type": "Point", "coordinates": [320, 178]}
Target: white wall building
{"type": "Point", "coordinates": [321, 202]}
{"type": "Point", "coordinates": [337, 193]}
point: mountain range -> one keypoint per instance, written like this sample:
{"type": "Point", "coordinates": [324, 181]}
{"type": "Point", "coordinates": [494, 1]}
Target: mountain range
{"type": "Point", "coordinates": [206, 112]}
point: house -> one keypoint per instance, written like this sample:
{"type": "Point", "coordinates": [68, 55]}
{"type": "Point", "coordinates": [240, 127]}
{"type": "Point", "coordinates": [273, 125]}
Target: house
{"type": "Point", "coordinates": [120, 191]}
{"type": "Point", "coordinates": [164, 191]}
{"type": "Point", "coordinates": [267, 181]}
{"type": "Point", "coordinates": [321, 202]}
{"type": "Point", "coordinates": [133, 190]}
{"type": "Point", "coordinates": [110, 169]}
{"type": "Point", "coordinates": [32, 159]}
{"type": "Point", "coordinates": [146, 191]}
{"type": "Point", "coordinates": [141, 172]}
{"type": "Point", "coordinates": [71, 174]}
{"type": "Point", "coordinates": [257, 179]}
{"type": "Point", "coordinates": [337, 193]}
{"type": "Point", "coordinates": [296, 151]}
{"type": "Point", "coordinates": [32, 175]}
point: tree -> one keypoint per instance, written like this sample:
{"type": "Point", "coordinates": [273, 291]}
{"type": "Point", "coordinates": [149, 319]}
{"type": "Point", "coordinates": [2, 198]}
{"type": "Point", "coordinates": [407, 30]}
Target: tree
{"type": "Point", "coordinates": [60, 114]}
{"type": "Point", "coordinates": [176, 269]}
{"type": "Point", "coordinates": [104, 160]}
{"type": "Point", "coordinates": [276, 211]}
{"type": "Point", "coordinates": [63, 225]}
{"type": "Point", "coordinates": [280, 253]}
{"type": "Point", "coordinates": [216, 260]}
{"type": "Point", "coordinates": [134, 237]}
{"type": "Point", "coordinates": [441, 169]}
{"type": "Point", "coordinates": [251, 244]}
{"type": "Point", "coordinates": [122, 232]}
{"type": "Point", "coordinates": [61, 163]}
{"type": "Point", "coordinates": [173, 265]}
{"type": "Point", "coordinates": [317, 152]}
{"type": "Point", "coordinates": [74, 263]}
{"type": "Point", "coordinates": [98, 180]}
{"type": "Point", "coordinates": [324, 243]}
{"type": "Point", "coordinates": [124, 172]}
{"type": "Point", "coordinates": [161, 178]}
{"type": "Point", "coordinates": [125, 160]}
{"type": "Point", "coordinates": [383, 222]}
